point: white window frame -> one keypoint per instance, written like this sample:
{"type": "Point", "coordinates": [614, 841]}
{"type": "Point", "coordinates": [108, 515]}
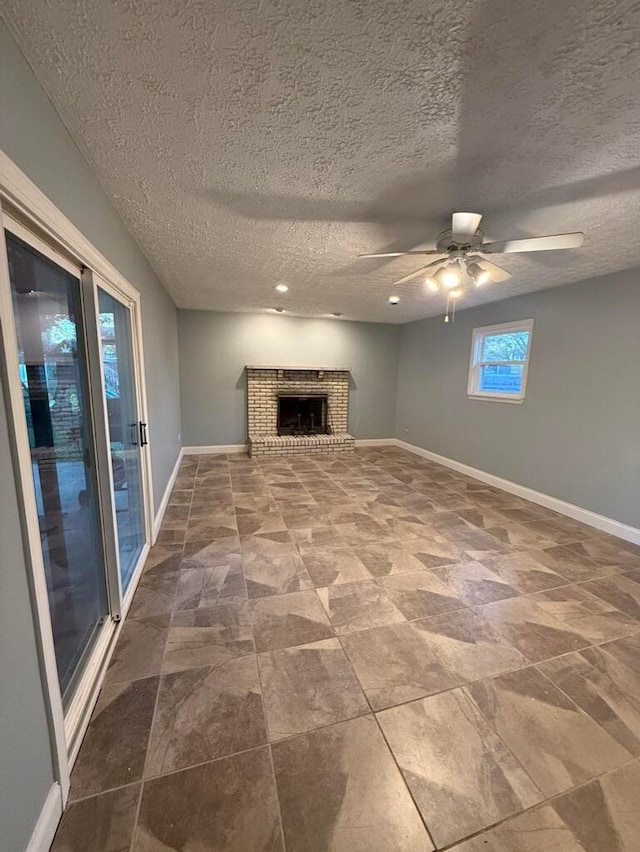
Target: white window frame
{"type": "Point", "coordinates": [475, 365]}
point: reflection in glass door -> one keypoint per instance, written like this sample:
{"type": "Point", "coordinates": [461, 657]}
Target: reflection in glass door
{"type": "Point", "coordinates": [55, 392]}
{"type": "Point", "coordinates": [126, 433]}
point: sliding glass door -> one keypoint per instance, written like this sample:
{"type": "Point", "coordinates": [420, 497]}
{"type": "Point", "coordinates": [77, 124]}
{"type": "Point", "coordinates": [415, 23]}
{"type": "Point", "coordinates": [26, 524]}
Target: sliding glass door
{"type": "Point", "coordinates": [73, 363]}
{"type": "Point", "coordinates": [55, 391]}
{"type": "Point", "coordinates": [127, 433]}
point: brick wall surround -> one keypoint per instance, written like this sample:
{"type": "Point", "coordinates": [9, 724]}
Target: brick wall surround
{"type": "Point", "coordinates": [263, 386]}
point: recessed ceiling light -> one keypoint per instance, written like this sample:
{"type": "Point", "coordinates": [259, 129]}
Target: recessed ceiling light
{"type": "Point", "coordinates": [282, 288]}
{"type": "Point", "coordinates": [336, 314]}
{"type": "Point", "coordinates": [277, 310]}
{"type": "Point", "coordinates": [393, 300]}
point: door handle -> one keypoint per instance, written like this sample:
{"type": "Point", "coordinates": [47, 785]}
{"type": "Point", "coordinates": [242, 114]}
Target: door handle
{"type": "Point", "coordinates": [143, 434]}
{"type": "Point", "coordinates": [133, 434]}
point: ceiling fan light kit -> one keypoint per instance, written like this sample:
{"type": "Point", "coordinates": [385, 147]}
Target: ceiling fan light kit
{"type": "Point", "coordinates": [478, 274]}
{"type": "Point", "coordinates": [461, 247]}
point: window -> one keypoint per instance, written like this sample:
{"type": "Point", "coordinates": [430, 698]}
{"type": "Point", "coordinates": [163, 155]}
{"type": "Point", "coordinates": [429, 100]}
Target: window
{"type": "Point", "coordinates": [499, 361]}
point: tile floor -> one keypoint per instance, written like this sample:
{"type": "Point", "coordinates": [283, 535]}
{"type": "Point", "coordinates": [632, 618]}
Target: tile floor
{"type": "Point", "coordinates": [366, 652]}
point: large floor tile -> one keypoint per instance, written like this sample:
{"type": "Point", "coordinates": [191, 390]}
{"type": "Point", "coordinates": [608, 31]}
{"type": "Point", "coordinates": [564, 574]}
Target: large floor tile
{"type": "Point", "coordinates": [155, 593]}
{"type": "Point", "coordinates": [620, 590]}
{"type": "Point", "coordinates": [204, 637]}
{"type": "Point", "coordinates": [358, 606]}
{"type": "Point", "coordinates": [394, 664]}
{"type": "Point", "coordinates": [307, 537]}
{"type": "Point", "coordinates": [383, 560]}
{"type": "Point", "coordinates": [114, 748]}
{"type": "Point", "coordinates": [333, 564]}
{"type": "Point", "coordinates": [370, 531]}
{"type": "Point", "coordinates": [286, 620]}
{"type": "Point", "coordinates": [605, 683]}
{"type": "Point", "coordinates": [563, 530]}
{"type": "Point", "coordinates": [468, 645]}
{"type": "Point", "coordinates": [259, 523]}
{"type": "Point", "coordinates": [212, 525]}
{"type": "Point", "coordinates": [298, 516]}
{"type": "Point", "coordinates": [484, 518]}
{"type": "Point", "coordinates": [341, 790]}
{"type": "Point", "coordinates": [207, 553]}
{"type": "Point", "coordinates": [207, 586]}
{"type": "Point", "coordinates": [607, 552]}
{"type": "Point", "coordinates": [193, 720]}
{"type": "Point", "coordinates": [101, 823]}
{"type": "Point", "coordinates": [538, 830]}
{"type": "Point", "coordinates": [308, 687]}
{"type": "Point", "coordinates": [474, 583]}
{"type": "Point", "coordinates": [434, 550]}
{"type": "Point", "coordinates": [226, 806]}
{"type": "Point", "coordinates": [139, 650]}
{"type": "Point", "coordinates": [276, 575]}
{"type": "Point", "coordinates": [604, 815]}
{"type": "Point", "coordinates": [461, 775]}
{"type": "Point", "coordinates": [252, 504]}
{"type": "Point", "coordinates": [161, 560]}
{"type": "Point", "coordinates": [586, 614]}
{"type": "Point", "coordinates": [531, 629]}
{"type": "Point", "coordinates": [556, 743]}
{"type": "Point", "coordinates": [526, 572]}
{"type": "Point", "coordinates": [421, 593]}
{"type": "Point", "coordinates": [571, 564]}
{"type": "Point", "coordinates": [475, 543]}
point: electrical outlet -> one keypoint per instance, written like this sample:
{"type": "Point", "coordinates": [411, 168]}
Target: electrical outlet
{"type": "Point", "coordinates": [406, 429]}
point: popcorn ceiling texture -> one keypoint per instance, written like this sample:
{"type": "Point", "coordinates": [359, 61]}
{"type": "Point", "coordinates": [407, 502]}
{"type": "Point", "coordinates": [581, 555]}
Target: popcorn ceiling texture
{"type": "Point", "coordinates": [257, 141]}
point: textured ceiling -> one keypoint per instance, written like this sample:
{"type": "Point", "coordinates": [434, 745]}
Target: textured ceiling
{"type": "Point", "coordinates": [257, 141]}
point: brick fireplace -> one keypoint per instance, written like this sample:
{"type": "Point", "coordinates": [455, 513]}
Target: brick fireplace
{"type": "Point", "coordinates": [293, 410]}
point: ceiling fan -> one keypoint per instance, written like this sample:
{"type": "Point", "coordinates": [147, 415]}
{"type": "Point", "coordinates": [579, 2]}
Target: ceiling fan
{"type": "Point", "coordinates": [461, 251]}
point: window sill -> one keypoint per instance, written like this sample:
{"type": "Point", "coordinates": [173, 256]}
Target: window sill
{"type": "Point", "coordinates": [511, 400]}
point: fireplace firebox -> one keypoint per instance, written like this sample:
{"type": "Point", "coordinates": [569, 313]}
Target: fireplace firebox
{"type": "Point", "coordinates": [302, 415]}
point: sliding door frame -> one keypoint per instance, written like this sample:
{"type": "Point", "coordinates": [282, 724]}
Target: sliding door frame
{"type": "Point", "coordinates": [131, 300]}
{"type": "Point", "coordinates": [29, 212]}
{"type": "Point", "coordinates": [32, 547]}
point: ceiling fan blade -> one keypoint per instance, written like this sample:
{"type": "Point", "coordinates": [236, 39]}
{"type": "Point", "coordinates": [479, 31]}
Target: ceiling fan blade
{"type": "Point", "coordinates": [417, 273]}
{"type": "Point", "coordinates": [498, 274]}
{"type": "Point", "coordinates": [400, 253]}
{"type": "Point", "coordinates": [464, 226]}
{"type": "Point", "coordinates": [557, 241]}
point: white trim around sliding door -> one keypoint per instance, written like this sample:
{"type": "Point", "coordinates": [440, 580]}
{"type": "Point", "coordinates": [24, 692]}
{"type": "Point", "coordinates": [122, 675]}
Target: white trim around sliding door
{"type": "Point", "coordinates": [29, 517]}
{"type": "Point", "coordinates": [28, 207]}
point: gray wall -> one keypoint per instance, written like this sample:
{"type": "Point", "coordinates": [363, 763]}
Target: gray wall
{"type": "Point", "coordinates": [33, 136]}
{"type": "Point", "coordinates": [215, 347]}
{"type": "Point", "coordinates": [577, 434]}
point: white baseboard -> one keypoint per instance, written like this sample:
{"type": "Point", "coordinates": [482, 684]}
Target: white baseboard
{"type": "Point", "coordinates": [50, 815]}
{"type": "Point", "coordinates": [214, 449]}
{"type": "Point", "coordinates": [585, 516]}
{"type": "Point", "coordinates": [374, 442]}
{"type": "Point", "coordinates": [162, 508]}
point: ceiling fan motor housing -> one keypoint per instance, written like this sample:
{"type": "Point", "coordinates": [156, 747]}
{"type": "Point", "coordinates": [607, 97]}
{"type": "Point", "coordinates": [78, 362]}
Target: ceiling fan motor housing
{"type": "Point", "coordinates": [446, 244]}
